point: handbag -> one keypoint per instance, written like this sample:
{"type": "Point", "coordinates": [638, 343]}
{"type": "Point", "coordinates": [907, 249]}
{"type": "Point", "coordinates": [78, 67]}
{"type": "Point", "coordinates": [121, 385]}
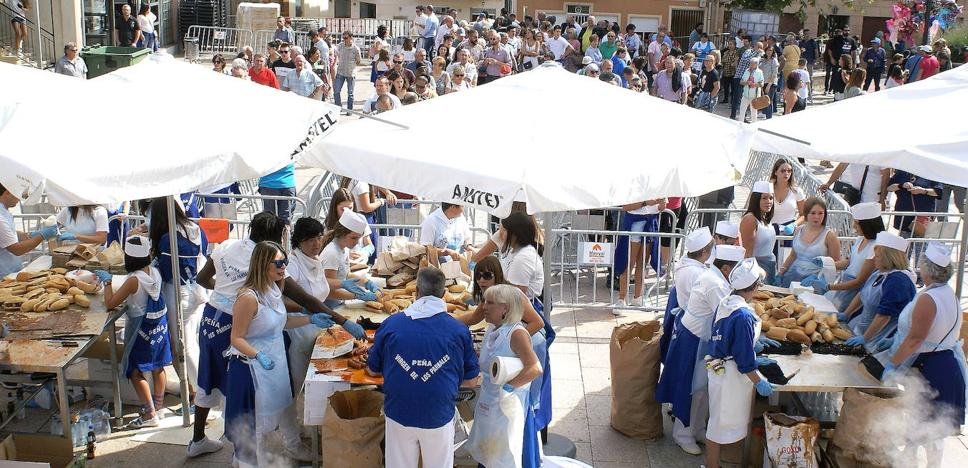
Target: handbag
{"type": "Point", "coordinates": [761, 101]}
{"type": "Point", "coordinates": [850, 193]}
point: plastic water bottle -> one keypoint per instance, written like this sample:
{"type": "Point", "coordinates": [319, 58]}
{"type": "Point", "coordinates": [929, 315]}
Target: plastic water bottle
{"type": "Point", "coordinates": [91, 439]}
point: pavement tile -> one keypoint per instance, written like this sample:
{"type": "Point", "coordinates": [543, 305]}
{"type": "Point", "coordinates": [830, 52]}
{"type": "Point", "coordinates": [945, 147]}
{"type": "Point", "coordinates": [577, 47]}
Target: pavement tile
{"type": "Point", "coordinates": [599, 410]}
{"type": "Point", "coordinates": [573, 426]}
{"type": "Point", "coordinates": [671, 456]}
{"type": "Point", "coordinates": [596, 379]}
{"type": "Point", "coordinates": [565, 367]}
{"type": "Point", "coordinates": [637, 464]}
{"type": "Point", "coordinates": [563, 319]}
{"type": "Point", "coordinates": [595, 329]}
{"type": "Point", "coordinates": [568, 395]}
{"type": "Point", "coordinates": [594, 355]}
{"type": "Point", "coordinates": [594, 315]}
{"type": "Point", "coordinates": [610, 445]}
{"type": "Point", "coordinates": [563, 346]}
{"type": "Point", "coordinates": [583, 452]}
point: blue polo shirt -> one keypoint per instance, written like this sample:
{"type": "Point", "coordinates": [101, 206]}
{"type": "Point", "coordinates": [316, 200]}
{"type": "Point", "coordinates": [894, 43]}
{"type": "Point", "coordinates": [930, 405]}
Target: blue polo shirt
{"type": "Point", "coordinates": [896, 292]}
{"type": "Point", "coordinates": [733, 337]}
{"type": "Point", "coordinates": [423, 362]}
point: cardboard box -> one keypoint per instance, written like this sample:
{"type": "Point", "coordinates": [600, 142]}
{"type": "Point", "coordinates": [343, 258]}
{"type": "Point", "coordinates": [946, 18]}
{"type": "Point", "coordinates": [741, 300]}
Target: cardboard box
{"type": "Point", "coordinates": [43, 450]}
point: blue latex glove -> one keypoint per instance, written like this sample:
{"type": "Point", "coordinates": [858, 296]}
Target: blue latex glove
{"type": "Point", "coordinates": [47, 232]}
{"type": "Point", "coordinates": [354, 329]}
{"type": "Point", "coordinates": [763, 361]}
{"type": "Point", "coordinates": [808, 281]}
{"type": "Point", "coordinates": [322, 320]}
{"type": "Point", "coordinates": [842, 317]}
{"type": "Point", "coordinates": [367, 250]}
{"type": "Point", "coordinates": [758, 347]}
{"type": "Point", "coordinates": [889, 369]}
{"type": "Point", "coordinates": [67, 236]}
{"type": "Point", "coordinates": [103, 276]}
{"type": "Point", "coordinates": [351, 286]}
{"type": "Point", "coordinates": [472, 265]}
{"type": "Point", "coordinates": [365, 295]}
{"type": "Point", "coordinates": [787, 229]}
{"type": "Point", "coordinates": [371, 286]}
{"type": "Point", "coordinates": [817, 261]}
{"type": "Point", "coordinates": [855, 340]}
{"type": "Point", "coordinates": [768, 342]}
{"type": "Point", "coordinates": [264, 360]}
{"type": "Point", "coordinates": [820, 286]}
{"type": "Point", "coordinates": [764, 388]}
{"type": "Point", "coordinates": [508, 388]}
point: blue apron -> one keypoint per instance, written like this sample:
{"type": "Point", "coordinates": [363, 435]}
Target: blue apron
{"type": "Point", "coordinates": [622, 247]}
{"type": "Point", "coordinates": [214, 339]}
{"type": "Point", "coordinates": [870, 296]}
{"type": "Point", "coordinates": [842, 299]}
{"type": "Point", "coordinates": [190, 202]}
{"type": "Point", "coordinates": [117, 228]}
{"type": "Point", "coordinates": [678, 369]}
{"type": "Point", "coordinates": [541, 394]}
{"type": "Point", "coordinates": [804, 266]}
{"type": "Point", "coordinates": [668, 322]}
{"type": "Point", "coordinates": [146, 338]}
{"type": "Point", "coordinates": [371, 218]}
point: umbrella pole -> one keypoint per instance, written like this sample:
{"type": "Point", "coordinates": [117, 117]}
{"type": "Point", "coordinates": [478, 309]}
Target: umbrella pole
{"type": "Point", "coordinates": [959, 285]}
{"type": "Point", "coordinates": [546, 258]}
{"type": "Point", "coordinates": [176, 281]}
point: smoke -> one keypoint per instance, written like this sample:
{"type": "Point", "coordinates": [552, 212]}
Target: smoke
{"type": "Point", "coordinates": [908, 421]}
{"type": "Point", "coordinates": [263, 452]}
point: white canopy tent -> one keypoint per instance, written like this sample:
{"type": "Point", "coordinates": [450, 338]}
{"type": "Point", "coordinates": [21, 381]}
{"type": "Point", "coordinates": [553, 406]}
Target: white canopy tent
{"type": "Point", "coordinates": [917, 127]}
{"type": "Point", "coordinates": [158, 128]}
{"type": "Point", "coordinates": [552, 148]}
{"type": "Point", "coordinates": [91, 142]}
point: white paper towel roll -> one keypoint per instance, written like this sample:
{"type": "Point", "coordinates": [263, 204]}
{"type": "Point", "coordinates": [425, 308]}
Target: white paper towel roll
{"type": "Point", "coordinates": [504, 369]}
{"type": "Point", "coordinates": [829, 270]}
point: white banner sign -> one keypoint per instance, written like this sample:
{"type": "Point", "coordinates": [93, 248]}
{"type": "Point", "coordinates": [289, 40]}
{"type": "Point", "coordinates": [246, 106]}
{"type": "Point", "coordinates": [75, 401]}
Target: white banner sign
{"type": "Point", "coordinates": [595, 253]}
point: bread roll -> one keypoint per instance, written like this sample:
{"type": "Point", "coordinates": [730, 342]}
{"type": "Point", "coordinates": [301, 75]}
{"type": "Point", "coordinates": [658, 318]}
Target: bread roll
{"type": "Point", "coordinates": [457, 288]}
{"type": "Point", "coordinates": [810, 327]}
{"type": "Point", "coordinates": [59, 304]}
{"type": "Point", "coordinates": [82, 300]}
{"type": "Point", "coordinates": [787, 322]}
{"type": "Point", "coordinates": [828, 336]}
{"type": "Point", "coordinates": [374, 305]}
{"type": "Point", "coordinates": [798, 336]}
{"type": "Point", "coordinates": [805, 317]}
{"type": "Point", "coordinates": [841, 333]}
{"type": "Point", "coordinates": [777, 333]}
{"type": "Point", "coordinates": [779, 314]}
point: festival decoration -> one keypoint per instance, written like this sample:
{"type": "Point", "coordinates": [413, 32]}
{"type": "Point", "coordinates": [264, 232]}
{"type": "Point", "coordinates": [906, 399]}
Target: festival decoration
{"type": "Point", "coordinates": [909, 18]}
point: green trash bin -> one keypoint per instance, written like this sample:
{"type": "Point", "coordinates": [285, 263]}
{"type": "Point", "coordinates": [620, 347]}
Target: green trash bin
{"type": "Point", "coordinates": [105, 59]}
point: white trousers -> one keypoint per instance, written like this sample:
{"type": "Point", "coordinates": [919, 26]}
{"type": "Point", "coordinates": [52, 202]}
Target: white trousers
{"type": "Point", "coordinates": [744, 104]}
{"type": "Point", "coordinates": [697, 426]}
{"type": "Point", "coordinates": [406, 445]}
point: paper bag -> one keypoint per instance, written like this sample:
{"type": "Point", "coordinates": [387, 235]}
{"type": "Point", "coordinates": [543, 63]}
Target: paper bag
{"type": "Point", "coordinates": [353, 429]}
{"type": "Point", "coordinates": [864, 432]}
{"type": "Point", "coordinates": [385, 264]}
{"type": "Point", "coordinates": [634, 355]}
{"type": "Point", "coordinates": [790, 440]}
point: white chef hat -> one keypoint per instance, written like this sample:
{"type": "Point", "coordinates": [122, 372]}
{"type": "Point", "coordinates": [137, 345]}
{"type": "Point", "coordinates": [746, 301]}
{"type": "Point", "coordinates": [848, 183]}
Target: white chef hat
{"type": "Point", "coordinates": [762, 187]}
{"type": "Point", "coordinates": [353, 221]}
{"type": "Point", "coordinates": [862, 211]}
{"type": "Point", "coordinates": [938, 253]}
{"type": "Point", "coordinates": [745, 274]}
{"type": "Point", "coordinates": [891, 241]}
{"type": "Point", "coordinates": [137, 246]}
{"type": "Point", "coordinates": [730, 253]}
{"type": "Point", "coordinates": [727, 229]}
{"type": "Point", "coordinates": [698, 239]}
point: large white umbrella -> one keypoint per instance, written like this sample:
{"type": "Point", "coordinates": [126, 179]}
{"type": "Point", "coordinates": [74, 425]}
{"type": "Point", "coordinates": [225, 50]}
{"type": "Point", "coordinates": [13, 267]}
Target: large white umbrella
{"type": "Point", "coordinates": [556, 140]}
{"type": "Point", "coordinates": [158, 128]}
{"type": "Point", "coordinates": [916, 127]}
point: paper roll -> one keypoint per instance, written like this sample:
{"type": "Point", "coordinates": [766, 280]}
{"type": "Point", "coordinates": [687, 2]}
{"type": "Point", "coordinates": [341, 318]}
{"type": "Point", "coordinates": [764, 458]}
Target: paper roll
{"type": "Point", "coordinates": [504, 369]}
{"type": "Point", "coordinates": [829, 270]}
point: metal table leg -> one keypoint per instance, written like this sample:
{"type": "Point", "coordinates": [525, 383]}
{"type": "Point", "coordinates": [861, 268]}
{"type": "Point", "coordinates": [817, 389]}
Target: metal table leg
{"type": "Point", "coordinates": [115, 376]}
{"type": "Point", "coordinates": [317, 458]}
{"type": "Point", "coordinates": [64, 405]}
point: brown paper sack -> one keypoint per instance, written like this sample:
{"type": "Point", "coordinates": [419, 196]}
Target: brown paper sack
{"type": "Point", "coordinates": [863, 432]}
{"type": "Point", "coordinates": [634, 355]}
{"type": "Point", "coordinates": [353, 429]}
{"type": "Point", "coordinates": [791, 440]}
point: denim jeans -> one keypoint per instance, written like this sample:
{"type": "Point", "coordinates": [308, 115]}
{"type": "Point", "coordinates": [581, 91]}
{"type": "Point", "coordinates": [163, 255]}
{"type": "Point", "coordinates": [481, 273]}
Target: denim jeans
{"type": "Point", "coordinates": [768, 110]}
{"type": "Point", "coordinates": [281, 208]}
{"type": "Point", "coordinates": [737, 95]}
{"type": "Point", "coordinates": [340, 79]}
{"type": "Point", "coordinates": [706, 101]}
{"type": "Point", "coordinates": [873, 76]}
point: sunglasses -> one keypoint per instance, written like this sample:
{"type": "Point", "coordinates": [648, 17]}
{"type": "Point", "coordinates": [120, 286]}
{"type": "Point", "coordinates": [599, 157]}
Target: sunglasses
{"type": "Point", "coordinates": [487, 275]}
{"type": "Point", "coordinates": [397, 62]}
{"type": "Point", "coordinates": [284, 51]}
{"type": "Point", "coordinates": [281, 263]}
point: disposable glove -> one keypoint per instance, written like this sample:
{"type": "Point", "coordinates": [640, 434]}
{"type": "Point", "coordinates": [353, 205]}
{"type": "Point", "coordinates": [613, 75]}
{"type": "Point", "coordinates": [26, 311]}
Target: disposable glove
{"type": "Point", "coordinates": [855, 340]}
{"type": "Point", "coordinates": [820, 286]}
{"type": "Point", "coordinates": [67, 236]}
{"type": "Point", "coordinates": [367, 250]}
{"type": "Point", "coordinates": [264, 360]}
{"type": "Point", "coordinates": [365, 295]}
{"type": "Point", "coordinates": [46, 232]}
{"type": "Point", "coordinates": [764, 388]}
{"type": "Point", "coordinates": [508, 388]}
{"type": "Point", "coordinates": [354, 329]}
{"type": "Point", "coordinates": [764, 361]}
{"type": "Point", "coordinates": [808, 281]}
{"type": "Point", "coordinates": [787, 229]}
{"type": "Point", "coordinates": [351, 286]}
{"type": "Point", "coordinates": [817, 261]}
{"type": "Point", "coordinates": [768, 342]}
{"type": "Point", "coordinates": [322, 320]}
{"type": "Point", "coordinates": [103, 276]}
{"type": "Point", "coordinates": [371, 286]}
{"type": "Point", "coordinates": [890, 371]}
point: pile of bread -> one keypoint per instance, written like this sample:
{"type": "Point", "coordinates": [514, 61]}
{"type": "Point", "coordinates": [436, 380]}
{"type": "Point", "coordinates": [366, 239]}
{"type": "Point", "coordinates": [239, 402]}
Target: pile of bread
{"type": "Point", "coordinates": [400, 263]}
{"type": "Point", "coordinates": [44, 290]}
{"type": "Point", "coordinates": [390, 301]}
{"type": "Point", "coordinates": [785, 319]}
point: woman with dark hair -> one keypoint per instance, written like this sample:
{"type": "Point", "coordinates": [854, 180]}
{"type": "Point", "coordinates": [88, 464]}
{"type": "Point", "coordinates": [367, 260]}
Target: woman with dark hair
{"type": "Point", "coordinates": [791, 100]}
{"type": "Point", "coordinates": [343, 200]}
{"type": "Point", "coordinates": [855, 84]}
{"type": "Point", "coordinates": [83, 224]}
{"type": "Point", "coordinates": [191, 244]}
{"type": "Point", "coordinates": [146, 349]}
{"type": "Point", "coordinates": [487, 273]}
{"type": "Point", "coordinates": [860, 264]}
{"type": "Point", "coordinates": [369, 205]}
{"type": "Point", "coordinates": [756, 234]}
{"type": "Point", "coordinates": [257, 356]}
{"type": "Point", "coordinates": [146, 22]}
{"type": "Point", "coordinates": [788, 199]}
{"type": "Point", "coordinates": [219, 65]}
{"type": "Point", "coordinates": [840, 77]}
{"type": "Point", "coordinates": [811, 241]}
{"type": "Point", "coordinates": [399, 86]}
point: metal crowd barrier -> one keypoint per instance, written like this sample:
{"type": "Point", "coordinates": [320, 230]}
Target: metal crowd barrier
{"type": "Point", "coordinates": [262, 38]}
{"type": "Point", "coordinates": [215, 40]}
{"type": "Point", "coordinates": [251, 199]}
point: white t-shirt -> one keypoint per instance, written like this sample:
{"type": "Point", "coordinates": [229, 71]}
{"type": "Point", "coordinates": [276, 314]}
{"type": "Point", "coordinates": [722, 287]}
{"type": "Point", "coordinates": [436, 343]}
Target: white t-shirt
{"type": "Point", "coordinates": [646, 209]}
{"type": "Point", "coordinates": [854, 174]}
{"type": "Point", "coordinates": [524, 268]}
{"type": "Point", "coordinates": [334, 257]}
{"type": "Point", "coordinates": [803, 92]}
{"type": "Point", "coordinates": [557, 46]}
{"type": "Point", "coordinates": [441, 232]}
{"type": "Point", "coordinates": [87, 223]}
{"type": "Point", "coordinates": [231, 269]}
{"type": "Point", "coordinates": [9, 262]}
{"type": "Point", "coordinates": [323, 52]}
{"type": "Point", "coordinates": [309, 274]}
{"type": "Point", "coordinates": [786, 210]}
{"type": "Point", "coordinates": [147, 23]}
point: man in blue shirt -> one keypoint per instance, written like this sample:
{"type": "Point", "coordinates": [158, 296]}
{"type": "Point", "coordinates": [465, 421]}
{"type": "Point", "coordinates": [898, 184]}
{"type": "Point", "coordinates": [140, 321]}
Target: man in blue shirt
{"type": "Point", "coordinates": [424, 355]}
{"type": "Point", "coordinates": [430, 30]}
{"type": "Point", "coordinates": [874, 57]}
{"type": "Point", "coordinates": [281, 183]}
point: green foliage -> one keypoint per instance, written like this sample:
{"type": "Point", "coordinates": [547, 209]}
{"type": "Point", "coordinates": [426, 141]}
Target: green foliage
{"type": "Point", "coordinates": [957, 38]}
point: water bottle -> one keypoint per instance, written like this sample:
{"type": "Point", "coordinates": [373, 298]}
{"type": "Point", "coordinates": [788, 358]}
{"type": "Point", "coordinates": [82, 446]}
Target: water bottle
{"type": "Point", "coordinates": [91, 438]}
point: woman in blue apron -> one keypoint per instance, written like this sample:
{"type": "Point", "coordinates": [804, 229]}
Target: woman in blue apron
{"type": "Point", "coordinates": [732, 363]}
{"type": "Point", "coordinates": [756, 233]}
{"type": "Point", "coordinates": [192, 245]}
{"type": "Point", "coordinates": [811, 241]}
{"type": "Point", "coordinates": [335, 259]}
{"type": "Point", "coordinates": [699, 245]}
{"type": "Point", "coordinates": [859, 266]}
{"type": "Point", "coordinates": [928, 339]}
{"type": "Point", "coordinates": [872, 315]}
{"type": "Point", "coordinates": [261, 399]}
{"type": "Point", "coordinates": [146, 349]}
{"type": "Point", "coordinates": [683, 379]}
{"type": "Point", "coordinates": [502, 434]}
{"type": "Point", "coordinates": [117, 228]}
{"type": "Point", "coordinates": [638, 217]}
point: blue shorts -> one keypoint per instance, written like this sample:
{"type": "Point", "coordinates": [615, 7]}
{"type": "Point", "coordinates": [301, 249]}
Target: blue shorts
{"type": "Point", "coordinates": [647, 225]}
{"type": "Point", "coordinates": [214, 340]}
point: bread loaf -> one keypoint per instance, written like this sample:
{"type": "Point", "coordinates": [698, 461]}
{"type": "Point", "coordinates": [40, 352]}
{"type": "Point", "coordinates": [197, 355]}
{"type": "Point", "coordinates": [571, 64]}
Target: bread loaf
{"type": "Point", "coordinates": [841, 333]}
{"type": "Point", "coordinates": [798, 336]}
{"type": "Point", "coordinates": [777, 333]}
{"type": "Point", "coordinates": [810, 327]}
{"type": "Point", "coordinates": [787, 322]}
{"type": "Point", "coordinates": [82, 300]}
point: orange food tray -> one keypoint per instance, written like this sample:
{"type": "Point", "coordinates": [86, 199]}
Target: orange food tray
{"type": "Point", "coordinates": [360, 377]}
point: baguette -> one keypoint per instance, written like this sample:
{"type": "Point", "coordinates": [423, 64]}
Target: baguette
{"type": "Point", "coordinates": [832, 321]}
{"type": "Point", "coordinates": [798, 336]}
{"type": "Point", "coordinates": [765, 326]}
{"type": "Point", "coordinates": [374, 305]}
{"type": "Point", "coordinates": [59, 304]}
{"type": "Point", "coordinates": [787, 322]}
{"type": "Point", "coordinates": [828, 336]}
{"type": "Point", "coordinates": [82, 300]}
{"type": "Point", "coordinates": [805, 316]}
{"type": "Point", "coordinates": [74, 290]}
{"type": "Point", "coordinates": [841, 333]}
{"type": "Point", "coordinates": [810, 327]}
{"type": "Point", "coordinates": [779, 314]}
{"type": "Point", "coordinates": [777, 333]}
{"type": "Point", "coordinates": [457, 288]}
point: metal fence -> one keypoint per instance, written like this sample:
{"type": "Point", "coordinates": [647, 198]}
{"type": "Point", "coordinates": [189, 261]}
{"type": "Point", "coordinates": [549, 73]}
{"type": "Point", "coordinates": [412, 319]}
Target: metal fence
{"type": "Point", "coordinates": [212, 40]}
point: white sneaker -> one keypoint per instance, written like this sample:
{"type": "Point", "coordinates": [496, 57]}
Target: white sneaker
{"type": "Point", "coordinates": [300, 452]}
{"type": "Point", "coordinates": [201, 447]}
{"type": "Point", "coordinates": [638, 302]}
{"type": "Point", "coordinates": [618, 304]}
{"type": "Point", "coordinates": [690, 447]}
{"type": "Point", "coordinates": [142, 421]}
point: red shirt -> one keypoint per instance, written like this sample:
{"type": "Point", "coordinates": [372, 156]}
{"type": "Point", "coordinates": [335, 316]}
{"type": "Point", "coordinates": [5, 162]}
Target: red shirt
{"type": "Point", "coordinates": [673, 203]}
{"type": "Point", "coordinates": [929, 66]}
{"type": "Point", "coordinates": [266, 77]}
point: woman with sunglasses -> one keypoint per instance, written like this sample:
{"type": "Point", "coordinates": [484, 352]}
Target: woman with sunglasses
{"type": "Point", "coordinates": [488, 273]}
{"type": "Point", "coordinates": [260, 399]}
{"type": "Point", "coordinates": [218, 65]}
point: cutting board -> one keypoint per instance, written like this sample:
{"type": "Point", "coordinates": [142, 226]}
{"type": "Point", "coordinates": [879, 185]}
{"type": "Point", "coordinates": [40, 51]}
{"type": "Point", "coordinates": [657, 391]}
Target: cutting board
{"type": "Point", "coordinates": [819, 303]}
